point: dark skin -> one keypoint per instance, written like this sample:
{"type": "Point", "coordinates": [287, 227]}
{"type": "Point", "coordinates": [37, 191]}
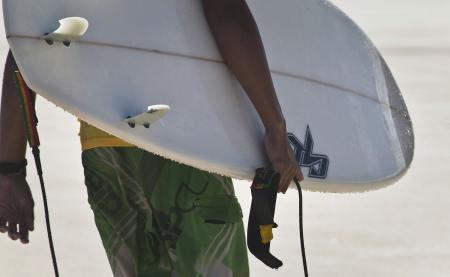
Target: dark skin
{"type": "Point", "coordinates": [16, 202]}
{"type": "Point", "coordinates": [239, 42]}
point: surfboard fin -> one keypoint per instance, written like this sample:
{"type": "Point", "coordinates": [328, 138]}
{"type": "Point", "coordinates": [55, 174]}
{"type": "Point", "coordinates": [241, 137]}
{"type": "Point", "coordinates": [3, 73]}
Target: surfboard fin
{"type": "Point", "coordinates": [70, 29]}
{"type": "Point", "coordinates": [153, 114]}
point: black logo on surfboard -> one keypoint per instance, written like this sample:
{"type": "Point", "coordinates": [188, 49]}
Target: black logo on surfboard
{"type": "Point", "coordinates": [317, 163]}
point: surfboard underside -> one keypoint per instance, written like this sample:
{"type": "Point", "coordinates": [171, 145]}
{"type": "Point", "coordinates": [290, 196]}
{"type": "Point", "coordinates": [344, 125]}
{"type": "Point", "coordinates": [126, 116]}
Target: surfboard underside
{"type": "Point", "coordinates": [350, 130]}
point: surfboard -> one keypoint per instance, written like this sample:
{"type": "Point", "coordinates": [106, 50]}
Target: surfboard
{"type": "Point", "coordinates": [108, 61]}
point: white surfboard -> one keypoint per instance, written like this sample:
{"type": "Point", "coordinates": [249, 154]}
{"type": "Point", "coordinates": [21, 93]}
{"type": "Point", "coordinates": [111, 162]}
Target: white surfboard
{"type": "Point", "coordinates": [348, 122]}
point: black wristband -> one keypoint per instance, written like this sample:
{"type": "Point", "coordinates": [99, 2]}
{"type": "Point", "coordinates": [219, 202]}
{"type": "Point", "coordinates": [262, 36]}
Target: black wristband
{"type": "Point", "coordinates": [11, 168]}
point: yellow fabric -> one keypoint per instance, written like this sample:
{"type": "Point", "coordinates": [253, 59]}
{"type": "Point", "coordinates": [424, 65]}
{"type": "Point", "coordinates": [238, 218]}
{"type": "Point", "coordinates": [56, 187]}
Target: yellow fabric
{"type": "Point", "coordinates": [92, 137]}
{"type": "Point", "coordinates": [266, 233]}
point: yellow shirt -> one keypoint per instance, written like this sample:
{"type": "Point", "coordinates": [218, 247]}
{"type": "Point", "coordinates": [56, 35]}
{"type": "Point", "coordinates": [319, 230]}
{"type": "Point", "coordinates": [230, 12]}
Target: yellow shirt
{"type": "Point", "coordinates": [92, 137]}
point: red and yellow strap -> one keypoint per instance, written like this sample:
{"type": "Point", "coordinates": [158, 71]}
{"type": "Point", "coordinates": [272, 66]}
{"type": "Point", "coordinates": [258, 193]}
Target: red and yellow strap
{"type": "Point", "coordinates": [27, 98]}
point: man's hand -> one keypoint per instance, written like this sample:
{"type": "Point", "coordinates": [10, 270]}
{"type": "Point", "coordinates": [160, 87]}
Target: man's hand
{"type": "Point", "coordinates": [16, 207]}
{"type": "Point", "coordinates": [282, 158]}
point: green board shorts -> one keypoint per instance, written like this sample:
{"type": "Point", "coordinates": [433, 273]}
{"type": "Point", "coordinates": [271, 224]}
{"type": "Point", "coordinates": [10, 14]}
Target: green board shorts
{"type": "Point", "coordinates": [157, 217]}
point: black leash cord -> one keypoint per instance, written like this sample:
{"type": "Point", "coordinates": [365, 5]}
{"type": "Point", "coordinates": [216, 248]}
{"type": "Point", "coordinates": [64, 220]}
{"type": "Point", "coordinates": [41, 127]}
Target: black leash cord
{"type": "Point", "coordinates": [27, 98]}
{"type": "Point", "coordinates": [300, 215]}
{"type": "Point", "coordinates": [37, 160]}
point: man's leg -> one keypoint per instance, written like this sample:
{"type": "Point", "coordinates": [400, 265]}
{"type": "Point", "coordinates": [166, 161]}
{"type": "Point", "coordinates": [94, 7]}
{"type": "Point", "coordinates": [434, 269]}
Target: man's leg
{"type": "Point", "coordinates": [201, 221]}
{"type": "Point", "coordinates": [160, 218]}
{"type": "Point", "coordinates": [122, 213]}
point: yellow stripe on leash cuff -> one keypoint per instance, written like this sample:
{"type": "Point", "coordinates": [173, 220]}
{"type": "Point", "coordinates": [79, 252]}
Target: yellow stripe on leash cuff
{"type": "Point", "coordinates": [266, 233]}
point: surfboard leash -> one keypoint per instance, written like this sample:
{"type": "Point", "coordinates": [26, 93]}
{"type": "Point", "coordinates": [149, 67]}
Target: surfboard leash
{"type": "Point", "coordinates": [300, 220]}
{"type": "Point", "coordinates": [28, 98]}
{"type": "Point", "coordinates": [261, 219]}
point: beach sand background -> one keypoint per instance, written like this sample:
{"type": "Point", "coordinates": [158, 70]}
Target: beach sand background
{"type": "Point", "coordinates": [403, 230]}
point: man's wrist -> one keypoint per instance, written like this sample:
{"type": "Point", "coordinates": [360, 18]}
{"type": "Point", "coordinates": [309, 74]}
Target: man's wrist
{"type": "Point", "coordinates": [275, 128]}
{"type": "Point", "coordinates": [7, 168]}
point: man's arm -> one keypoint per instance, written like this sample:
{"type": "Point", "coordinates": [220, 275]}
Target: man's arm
{"type": "Point", "coordinates": [239, 42]}
{"type": "Point", "coordinates": [16, 202]}
{"type": "Point", "coordinates": [12, 131]}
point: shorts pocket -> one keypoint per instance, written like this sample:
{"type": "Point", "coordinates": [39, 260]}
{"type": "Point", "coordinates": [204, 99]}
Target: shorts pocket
{"type": "Point", "coordinates": [218, 209]}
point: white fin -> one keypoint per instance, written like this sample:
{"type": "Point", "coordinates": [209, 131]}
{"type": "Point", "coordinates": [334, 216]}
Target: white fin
{"type": "Point", "coordinates": [70, 29]}
{"type": "Point", "coordinates": [148, 117]}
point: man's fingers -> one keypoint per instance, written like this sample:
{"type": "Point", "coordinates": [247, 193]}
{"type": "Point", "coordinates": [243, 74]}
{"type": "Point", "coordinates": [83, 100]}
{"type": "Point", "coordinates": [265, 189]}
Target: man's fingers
{"type": "Point", "coordinates": [3, 227]}
{"type": "Point", "coordinates": [296, 173]}
{"type": "Point", "coordinates": [299, 175]}
{"type": "Point", "coordinates": [283, 184]}
{"type": "Point", "coordinates": [23, 233]}
{"type": "Point", "coordinates": [12, 230]}
{"type": "Point", "coordinates": [29, 219]}
{"type": "Point", "coordinates": [283, 177]}
{"type": "Point", "coordinates": [289, 176]}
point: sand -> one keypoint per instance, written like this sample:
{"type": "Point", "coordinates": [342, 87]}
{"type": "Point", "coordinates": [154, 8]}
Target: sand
{"type": "Point", "coordinates": [403, 230]}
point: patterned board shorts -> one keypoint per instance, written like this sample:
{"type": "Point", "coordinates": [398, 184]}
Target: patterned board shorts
{"type": "Point", "coordinates": [157, 217]}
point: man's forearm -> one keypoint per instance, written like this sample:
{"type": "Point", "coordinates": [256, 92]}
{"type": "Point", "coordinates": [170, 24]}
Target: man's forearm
{"type": "Point", "coordinates": [239, 42]}
{"type": "Point", "coordinates": [12, 132]}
